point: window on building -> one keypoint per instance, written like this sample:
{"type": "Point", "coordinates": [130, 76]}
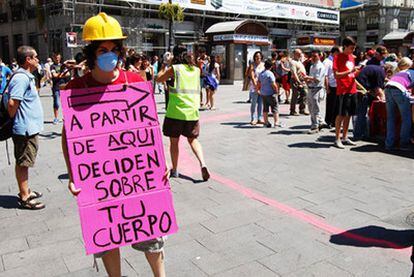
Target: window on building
{"type": "Point", "coordinates": [4, 49]}
{"type": "Point", "coordinates": [33, 40]}
{"type": "Point", "coordinates": [17, 42]}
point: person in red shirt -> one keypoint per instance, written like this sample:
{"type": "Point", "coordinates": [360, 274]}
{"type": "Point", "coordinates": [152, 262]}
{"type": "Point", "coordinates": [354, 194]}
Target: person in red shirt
{"type": "Point", "coordinates": [347, 99]}
{"type": "Point", "coordinates": [103, 56]}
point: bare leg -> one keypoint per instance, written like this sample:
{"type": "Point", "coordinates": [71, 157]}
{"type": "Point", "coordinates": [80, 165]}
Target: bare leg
{"type": "Point", "coordinates": [174, 151]}
{"type": "Point", "coordinates": [197, 150]}
{"type": "Point", "coordinates": [56, 113]}
{"type": "Point", "coordinates": [156, 261]}
{"type": "Point", "coordinates": [266, 118]}
{"type": "Point", "coordinates": [338, 124]}
{"type": "Point", "coordinates": [208, 104]}
{"type": "Point", "coordinates": [112, 263]}
{"type": "Point", "coordinates": [22, 177]}
{"type": "Point", "coordinates": [287, 94]}
{"type": "Point", "coordinates": [276, 118]}
{"type": "Point", "coordinates": [212, 92]}
{"type": "Point", "coordinates": [347, 119]}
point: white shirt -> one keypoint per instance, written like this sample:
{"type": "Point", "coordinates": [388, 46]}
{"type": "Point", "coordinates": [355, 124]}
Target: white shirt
{"type": "Point", "coordinates": [317, 71]}
{"type": "Point", "coordinates": [329, 72]}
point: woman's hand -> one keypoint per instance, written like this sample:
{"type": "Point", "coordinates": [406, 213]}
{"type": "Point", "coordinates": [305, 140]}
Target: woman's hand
{"type": "Point", "coordinates": [73, 189]}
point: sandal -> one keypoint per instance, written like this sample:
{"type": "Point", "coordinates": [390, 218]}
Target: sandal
{"type": "Point", "coordinates": [32, 195]}
{"type": "Point", "coordinates": [31, 204]}
{"type": "Point", "coordinates": [205, 173]}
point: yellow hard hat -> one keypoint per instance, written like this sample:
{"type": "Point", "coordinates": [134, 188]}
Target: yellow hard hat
{"type": "Point", "coordinates": [102, 27]}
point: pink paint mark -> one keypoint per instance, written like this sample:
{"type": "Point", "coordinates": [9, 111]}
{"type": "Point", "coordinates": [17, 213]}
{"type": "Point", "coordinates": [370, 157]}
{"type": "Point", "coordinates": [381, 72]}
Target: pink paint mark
{"type": "Point", "coordinates": [190, 167]}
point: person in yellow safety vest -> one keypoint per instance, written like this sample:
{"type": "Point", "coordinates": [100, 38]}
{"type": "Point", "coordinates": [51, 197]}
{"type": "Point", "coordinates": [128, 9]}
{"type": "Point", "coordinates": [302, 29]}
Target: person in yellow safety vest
{"type": "Point", "coordinates": [182, 117]}
{"type": "Point", "coordinates": [104, 53]}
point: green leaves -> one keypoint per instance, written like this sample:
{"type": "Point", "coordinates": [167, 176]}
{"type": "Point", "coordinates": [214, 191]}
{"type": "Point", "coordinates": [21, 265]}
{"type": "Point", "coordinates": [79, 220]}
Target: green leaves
{"type": "Point", "coordinates": [172, 12]}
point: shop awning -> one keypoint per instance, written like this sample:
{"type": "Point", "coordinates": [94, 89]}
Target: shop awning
{"type": "Point", "coordinates": [396, 35]}
{"type": "Point", "coordinates": [225, 27]}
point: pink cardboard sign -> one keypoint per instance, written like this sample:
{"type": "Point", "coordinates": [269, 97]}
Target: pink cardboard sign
{"type": "Point", "coordinates": [117, 160]}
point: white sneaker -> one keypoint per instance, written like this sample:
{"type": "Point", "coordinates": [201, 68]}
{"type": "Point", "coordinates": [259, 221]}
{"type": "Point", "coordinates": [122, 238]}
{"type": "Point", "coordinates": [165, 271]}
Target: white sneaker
{"type": "Point", "coordinates": [279, 125]}
{"type": "Point", "coordinates": [347, 141]}
{"type": "Point", "coordinates": [338, 144]}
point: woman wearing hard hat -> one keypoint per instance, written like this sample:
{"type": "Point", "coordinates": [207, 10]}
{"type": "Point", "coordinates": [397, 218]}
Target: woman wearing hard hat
{"type": "Point", "coordinates": [104, 53]}
{"type": "Point", "coordinates": [182, 114]}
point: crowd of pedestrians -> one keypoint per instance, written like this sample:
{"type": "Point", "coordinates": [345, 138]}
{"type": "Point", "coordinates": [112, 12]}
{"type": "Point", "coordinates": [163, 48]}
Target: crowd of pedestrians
{"type": "Point", "coordinates": [348, 82]}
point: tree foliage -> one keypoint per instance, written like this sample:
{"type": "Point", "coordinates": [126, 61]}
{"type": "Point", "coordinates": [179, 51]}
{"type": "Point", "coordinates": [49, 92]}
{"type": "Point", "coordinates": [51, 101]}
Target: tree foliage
{"type": "Point", "coordinates": [171, 12]}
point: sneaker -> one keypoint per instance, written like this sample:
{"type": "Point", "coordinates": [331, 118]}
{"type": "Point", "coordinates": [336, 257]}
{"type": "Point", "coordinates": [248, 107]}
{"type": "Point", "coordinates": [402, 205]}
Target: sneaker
{"type": "Point", "coordinates": [279, 125]}
{"type": "Point", "coordinates": [294, 113]}
{"type": "Point", "coordinates": [347, 141]}
{"type": "Point", "coordinates": [253, 122]}
{"type": "Point", "coordinates": [304, 112]}
{"type": "Point", "coordinates": [205, 174]}
{"type": "Point", "coordinates": [338, 144]}
{"type": "Point", "coordinates": [174, 173]}
{"type": "Point", "coordinates": [55, 121]}
{"type": "Point", "coordinates": [260, 122]}
{"type": "Point", "coordinates": [313, 131]}
{"type": "Point", "coordinates": [267, 125]}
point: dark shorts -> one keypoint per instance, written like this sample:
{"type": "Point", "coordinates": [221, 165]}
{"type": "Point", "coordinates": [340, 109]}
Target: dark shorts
{"type": "Point", "coordinates": [25, 150]}
{"type": "Point", "coordinates": [346, 104]}
{"type": "Point", "coordinates": [270, 103]}
{"type": "Point", "coordinates": [149, 246]}
{"type": "Point", "coordinates": [175, 128]}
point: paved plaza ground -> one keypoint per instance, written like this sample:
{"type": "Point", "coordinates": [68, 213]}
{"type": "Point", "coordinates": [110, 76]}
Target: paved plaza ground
{"type": "Point", "coordinates": [280, 203]}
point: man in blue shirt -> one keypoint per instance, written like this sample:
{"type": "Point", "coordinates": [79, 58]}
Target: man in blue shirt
{"type": "Point", "coordinates": [5, 72]}
{"type": "Point", "coordinates": [372, 79]}
{"type": "Point", "coordinates": [25, 107]}
{"type": "Point", "coordinates": [269, 90]}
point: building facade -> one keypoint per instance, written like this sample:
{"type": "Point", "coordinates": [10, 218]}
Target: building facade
{"type": "Point", "coordinates": [370, 22]}
{"type": "Point", "coordinates": [44, 24]}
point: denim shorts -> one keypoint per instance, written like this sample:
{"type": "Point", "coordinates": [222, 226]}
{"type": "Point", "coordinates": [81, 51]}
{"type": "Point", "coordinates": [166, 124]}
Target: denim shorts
{"type": "Point", "coordinates": [151, 246]}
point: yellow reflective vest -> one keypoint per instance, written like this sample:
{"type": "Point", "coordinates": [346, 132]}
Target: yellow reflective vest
{"type": "Point", "coordinates": [184, 97]}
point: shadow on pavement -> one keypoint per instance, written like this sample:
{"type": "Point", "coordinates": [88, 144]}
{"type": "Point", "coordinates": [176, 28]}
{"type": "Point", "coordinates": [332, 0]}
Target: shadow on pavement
{"type": "Point", "coordinates": [50, 135]}
{"type": "Point", "coordinates": [242, 125]}
{"type": "Point", "coordinates": [188, 178]}
{"type": "Point", "coordinates": [375, 236]}
{"type": "Point", "coordinates": [300, 127]}
{"type": "Point", "coordinates": [240, 102]}
{"type": "Point", "coordinates": [310, 145]}
{"type": "Point", "coordinates": [379, 148]}
{"type": "Point", "coordinates": [288, 132]}
{"type": "Point", "coordinates": [9, 202]}
{"type": "Point", "coordinates": [63, 176]}
{"type": "Point", "coordinates": [330, 139]}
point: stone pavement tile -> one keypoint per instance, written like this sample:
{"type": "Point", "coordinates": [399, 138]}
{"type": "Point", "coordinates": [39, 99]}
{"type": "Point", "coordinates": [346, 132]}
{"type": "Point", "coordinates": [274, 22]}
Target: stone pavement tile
{"type": "Point", "coordinates": [359, 261]}
{"type": "Point", "coordinates": [231, 221]}
{"type": "Point", "coordinates": [13, 245]}
{"type": "Point", "coordinates": [80, 261]}
{"type": "Point", "coordinates": [52, 267]}
{"type": "Point", "coordinates": [42, 254]}
{"type": "Point", "coordinates": [298, 203]}
{"type": "Point", "coordinates": [298, 257]}
{"type": "Point", "coordinates": [334, 207]}
{"type": "Point", "coordinates": [248, 270]}
{"type": "Point", "coordinates": [321, 269]}
{"type": "Point", "coordinates": [232, 257]}
{"type": "Point", "coordinates": [88, 270]}
{"type": "Point", "coordinates": [6, 213]}
{"type": "Point", "coordinates": [63, 222]}
{"type": "Point", "coordinates": [21, 229]}
{"type": "Point", "coordinates": [389, 269]}
{"type": "Point", "coordinates": [182, 269]}
{"type": "Point", "coordinates": [54, 236]}
{"type": "Point", "coordinates": [327, 195]}
{"type": "Point", "coordinates": [232, 238]}
{"type": "Point", "coordinates": [351, 219]}
{"type": "Point", "coordinates": [189, 217]}
{"type": "Point", "coordinates": [1, 265]}
{"type": "Point", "coordinates": [233, 207]}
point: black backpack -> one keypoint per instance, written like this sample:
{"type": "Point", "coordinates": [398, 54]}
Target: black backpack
{"type": "Point", "coordinates": [6, 122]}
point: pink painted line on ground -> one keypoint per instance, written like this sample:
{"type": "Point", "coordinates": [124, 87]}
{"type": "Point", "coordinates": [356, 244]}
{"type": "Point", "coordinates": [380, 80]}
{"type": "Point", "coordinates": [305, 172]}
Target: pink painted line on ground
{"type": "Point", "coordinates": [191, 167]}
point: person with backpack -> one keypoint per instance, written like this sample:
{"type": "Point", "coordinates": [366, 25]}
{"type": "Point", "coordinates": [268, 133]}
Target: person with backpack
{"type": "Point", "coordinates": [26, 110]}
